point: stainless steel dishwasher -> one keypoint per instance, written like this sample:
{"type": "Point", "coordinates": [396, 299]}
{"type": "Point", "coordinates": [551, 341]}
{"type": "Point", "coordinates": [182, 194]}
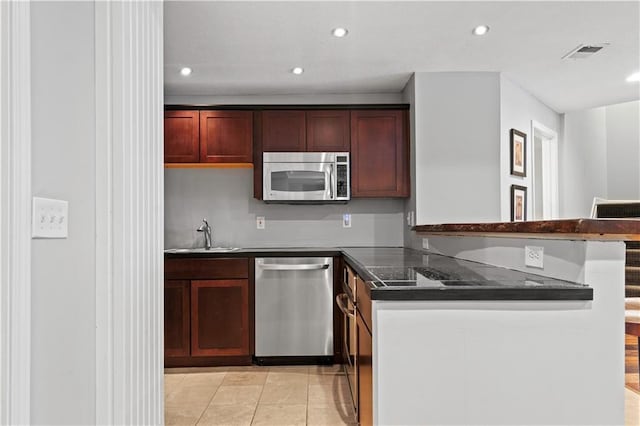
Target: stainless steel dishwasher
{"type": "Point", "coordinates": [294, 310]}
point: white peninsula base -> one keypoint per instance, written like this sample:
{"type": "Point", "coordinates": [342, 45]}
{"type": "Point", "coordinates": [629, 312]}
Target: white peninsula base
{"type": "Point", "coordinates": [507, 362]}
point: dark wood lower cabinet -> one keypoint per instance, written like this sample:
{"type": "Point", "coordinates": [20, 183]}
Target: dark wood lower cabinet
{"type": "Point", "coordinates": [365, 374]}
{"type": "Point", "coordinates": [219, 317]}
{"type": "Point", "coordinates": [208, 311]}
{"type": "Point", "coordinates": [176, 318]}
{"type": "Point", "coordinates": [364, 353]}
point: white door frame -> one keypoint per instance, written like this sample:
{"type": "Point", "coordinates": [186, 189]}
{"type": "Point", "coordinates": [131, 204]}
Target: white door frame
{"type": "Point", "coordinates": [550, 206]}
{"type": "Point", "coordinates": [15, 212]}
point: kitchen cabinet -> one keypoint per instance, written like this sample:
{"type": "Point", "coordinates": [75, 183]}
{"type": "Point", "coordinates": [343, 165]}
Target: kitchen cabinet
{"type": "Point", "coordinates": [364, 352]}
{"type": "Point", "coordinates": [377, 140]}
{"type": "Point", "coordinates": [379, 153]}
{"type": "Point", "coordinates": [181, 136]}
{"type": "Point", "coordinates": [208, 136]}
{"type": "Point", "coordinates": [208, 311]}
{"type": "Point", "coordinates": [219, 317]}
{"type": "Point", "coordinates": [176, 318]}
{"type": "Point", "coordinates": [328, 131]}
{"type": "Point", "coordinates": [305, 131]}
{"type": "Point", "coordinates": [226, 136]}
{"type": "Point", "coordinates": [283, 131]}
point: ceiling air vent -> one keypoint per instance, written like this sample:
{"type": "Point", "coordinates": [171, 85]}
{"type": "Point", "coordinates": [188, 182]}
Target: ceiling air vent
{"type": "Point", "coordinates": [584, 51]}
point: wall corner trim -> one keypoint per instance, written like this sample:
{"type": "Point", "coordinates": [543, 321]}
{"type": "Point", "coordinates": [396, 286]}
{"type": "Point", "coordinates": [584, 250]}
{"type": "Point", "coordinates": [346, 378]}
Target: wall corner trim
{"type": "Point", "coordinates": [15, 212]}
{"type": "Point", "coordinates": [129, 213]}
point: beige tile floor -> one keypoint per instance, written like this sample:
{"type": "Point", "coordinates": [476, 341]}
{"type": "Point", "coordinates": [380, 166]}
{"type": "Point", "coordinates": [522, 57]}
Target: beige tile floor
{"type": "Point", "coordinates": [279, 396]}
{"type": "Point", "coordinates": [305, 395]}
{"type": "Point", "coordinates": [631, 407]}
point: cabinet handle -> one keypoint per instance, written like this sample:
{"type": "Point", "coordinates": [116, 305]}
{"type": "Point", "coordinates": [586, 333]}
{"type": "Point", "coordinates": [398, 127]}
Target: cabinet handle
{"type": "Point", "coordinates": [331, 182]}
{"type": "Point", "coordinates": [341, 304]}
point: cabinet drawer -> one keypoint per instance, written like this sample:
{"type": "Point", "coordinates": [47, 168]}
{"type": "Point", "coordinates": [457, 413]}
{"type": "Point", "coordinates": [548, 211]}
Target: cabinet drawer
{"type": "Point", "coordinates": [203, 268]}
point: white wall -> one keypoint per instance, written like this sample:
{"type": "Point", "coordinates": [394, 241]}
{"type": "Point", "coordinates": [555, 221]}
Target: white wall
{"type": "Point", "coordinates": [457, 150]}
{"type": "Point", "coordinates": [599, 157]}
{"type": "Point", "coordinates": [583, 164]}
{"type": "Point", "coordinates": [409, 97]}
{"type": "Point", "coordinates": [63, 271]}
{"type": "Point", "coordinates": [517, 109]}
{"type": "Point", "coordinates": [225, 198]}
{"type": "Point", "coordinates": [623, 151]}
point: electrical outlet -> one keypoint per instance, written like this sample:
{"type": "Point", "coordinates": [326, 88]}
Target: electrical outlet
{"type": "Point", "coordinates": [260, 222]}
{"type": "Point", "coordinates": [346, 220]}
{"type": "Point", "coordinates": [49, 218]}
{"type": "Point", "coordinates": [425, 243]}
{"type": "Point", "coordinates": [534, 256]}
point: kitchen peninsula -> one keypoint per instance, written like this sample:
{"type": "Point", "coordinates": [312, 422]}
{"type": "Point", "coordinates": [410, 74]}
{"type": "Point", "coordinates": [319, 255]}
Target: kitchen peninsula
{"type": "Point", "coordinates": [510, 362]}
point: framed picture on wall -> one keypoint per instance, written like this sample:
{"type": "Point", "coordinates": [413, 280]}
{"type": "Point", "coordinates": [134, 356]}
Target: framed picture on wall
{"type": "Point", "coordinates": [518, 153]}
{"type": "Point", "coordinates": [518, 203]}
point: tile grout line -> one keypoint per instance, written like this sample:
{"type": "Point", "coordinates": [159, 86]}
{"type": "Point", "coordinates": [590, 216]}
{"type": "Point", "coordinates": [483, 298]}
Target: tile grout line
{"type": "Point", "coordinates": [306, 411]}
{"type": "Point", "coordinates": [210, 399]}
{"type": "Point", "coordinates": [255, 410]}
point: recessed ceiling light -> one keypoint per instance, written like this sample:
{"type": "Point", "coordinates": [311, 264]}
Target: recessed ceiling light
{"type": "Point", "coordinates": [185, 71]}
{"type": "Point", "coordinates": [339, 32]}
{"type": "Point", "coordinates": [481, 30]}
{"type": "Point", "coordinates": [634, 77]}
{"type": "Point", "coordinates": [297, 70]}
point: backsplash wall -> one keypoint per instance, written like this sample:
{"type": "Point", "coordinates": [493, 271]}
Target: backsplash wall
{"type": "Point", "coordinates": [225, 198]}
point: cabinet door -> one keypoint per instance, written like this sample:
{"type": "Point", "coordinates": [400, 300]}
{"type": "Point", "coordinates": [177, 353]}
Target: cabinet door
{"type": "Point", "coordinates": [226, 137]}
{"type": "Point", "coordinates": [328, 131]}
{"type": "Point", "coordinates": [379, 154]}
{"type": "Point", "coordinates": [176, 318]}
{"type": "Point", "coordinates": [283, 131]}
{"type": "Point", "coordinates": [365, 374]}
{"type": "Point", "coordinates": [181, 136]}
{"type": "Point", "coordinates": [219, 317]}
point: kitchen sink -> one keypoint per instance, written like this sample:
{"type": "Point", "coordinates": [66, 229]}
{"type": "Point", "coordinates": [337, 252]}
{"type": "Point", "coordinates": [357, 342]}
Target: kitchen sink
{"type": "Point", "coordinates": [202, 250]}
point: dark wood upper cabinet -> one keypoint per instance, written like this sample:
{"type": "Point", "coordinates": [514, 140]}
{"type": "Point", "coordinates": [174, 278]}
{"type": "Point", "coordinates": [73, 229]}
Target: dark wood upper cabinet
{"type": "Point", "coordinates": [226, 136]}
{"type": "Point", "coordinates": [283, 131]}
{"type": "Point", "coordinates": [220, 317]}
{"type": "Point", "coordinates": [328, 131]}
{"type": "Point", "coordinates": [176, 318]}
{"type": "Point", "coordinates": [379, 154]}
{"type": "Point", "coordinates": [181, 136]}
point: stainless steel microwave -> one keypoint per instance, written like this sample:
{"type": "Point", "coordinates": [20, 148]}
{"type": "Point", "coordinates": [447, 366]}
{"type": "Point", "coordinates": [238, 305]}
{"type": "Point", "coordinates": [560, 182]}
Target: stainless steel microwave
{"type": "Point", "coordinates": [305, 177]}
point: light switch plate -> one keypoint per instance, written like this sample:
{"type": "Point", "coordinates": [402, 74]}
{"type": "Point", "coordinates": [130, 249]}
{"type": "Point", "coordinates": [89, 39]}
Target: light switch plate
{"type": "Point", "coordinates": [411, 219]}
{"type": "Point", "coordinates": [346, 220]}
{"type": "Point", "coordinates": [260, 222]}
{"type": "Point", "coordinates": [534, 256]}
{"type": "Point", "coordinates": [49, 218]}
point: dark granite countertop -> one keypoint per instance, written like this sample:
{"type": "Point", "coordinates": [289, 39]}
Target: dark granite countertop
{"type": "Point", "coordinates": [251, 252]}
{"type": "Point", "coordinates": [406, 274]}
{"type": "Point", "coordinates": [397, 273]}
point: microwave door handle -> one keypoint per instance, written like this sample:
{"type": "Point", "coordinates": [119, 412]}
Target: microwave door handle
{"type": "Point", "coordinates": [331, 181]}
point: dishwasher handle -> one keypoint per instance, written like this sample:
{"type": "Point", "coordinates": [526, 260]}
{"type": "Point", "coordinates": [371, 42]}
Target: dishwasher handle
{"type": "Point", "coordinates": [278, 267]}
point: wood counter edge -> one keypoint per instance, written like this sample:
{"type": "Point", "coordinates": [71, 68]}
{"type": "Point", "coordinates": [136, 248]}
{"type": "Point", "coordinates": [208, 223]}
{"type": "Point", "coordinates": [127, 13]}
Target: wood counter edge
{"type": "Point", "coordinates": [565, 229]}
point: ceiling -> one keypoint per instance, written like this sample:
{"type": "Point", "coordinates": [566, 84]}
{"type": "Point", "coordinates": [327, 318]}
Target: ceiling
{"type": "Point", "coordinates": [249, 48]}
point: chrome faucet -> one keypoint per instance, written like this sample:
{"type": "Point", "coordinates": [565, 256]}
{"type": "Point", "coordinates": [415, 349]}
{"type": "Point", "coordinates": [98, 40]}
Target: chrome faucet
{"type": "Point", "coordinates": [207, 233]}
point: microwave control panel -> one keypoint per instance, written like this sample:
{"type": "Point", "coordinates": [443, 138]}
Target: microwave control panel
{"type": "Point", "coordinates": [342, 176]}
